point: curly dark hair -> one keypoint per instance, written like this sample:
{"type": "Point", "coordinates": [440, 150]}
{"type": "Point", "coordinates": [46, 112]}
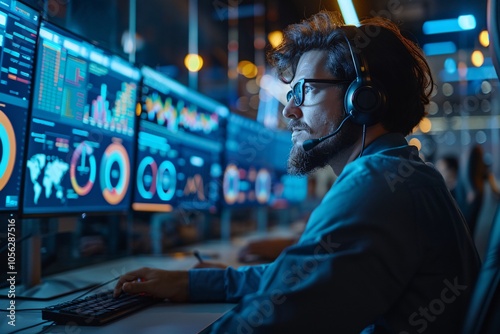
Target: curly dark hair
{"type": "Point", "coordinates": [396, 62]}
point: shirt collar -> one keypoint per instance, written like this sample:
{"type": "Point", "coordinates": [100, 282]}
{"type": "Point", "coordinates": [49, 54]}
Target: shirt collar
{"type": "Point", "coordinates": [386, 141]}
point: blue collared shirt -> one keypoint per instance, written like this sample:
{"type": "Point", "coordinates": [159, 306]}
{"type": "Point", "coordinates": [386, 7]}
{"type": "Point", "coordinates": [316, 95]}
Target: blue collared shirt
{"type": "Point", "coordinates": [386, 250]}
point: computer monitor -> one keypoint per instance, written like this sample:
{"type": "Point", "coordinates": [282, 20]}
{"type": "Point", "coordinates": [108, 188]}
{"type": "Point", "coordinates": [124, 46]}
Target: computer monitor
{"type": "Point", "coordinates": [286, 189]}
{"type": "Point", "coordinates": [248, 167]}
{"type": "Point", "coordinates": [82, 130]}
{"type": "Point", "coordinates": [18, 36]}
{"type": "Point", "coordinates": [180, 142]}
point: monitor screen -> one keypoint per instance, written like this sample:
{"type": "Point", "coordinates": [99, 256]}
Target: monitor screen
{"type": "Point", "coordinates": [82, 131]}
{"type": "Point", "coordinates": [286, 188]}
{"type": "Point", "coordinates": [180, 142]}
{"type": "Point", "coordinates": [18, 37]}
{"type": "Point", "coordinates": [248, 168]}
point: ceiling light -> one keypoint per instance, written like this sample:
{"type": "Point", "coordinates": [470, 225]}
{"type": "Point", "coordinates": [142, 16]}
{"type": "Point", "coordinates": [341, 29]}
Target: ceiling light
{"type": "Point", "coordinates": [348, 12]}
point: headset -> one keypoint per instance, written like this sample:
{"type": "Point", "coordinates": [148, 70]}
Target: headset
{"type": "Point", "coordinates": [365, 100]}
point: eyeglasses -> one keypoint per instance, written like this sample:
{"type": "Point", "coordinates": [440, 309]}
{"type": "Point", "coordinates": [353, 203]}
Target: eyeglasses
{"type": "Point", "coordinates": [297, 91]}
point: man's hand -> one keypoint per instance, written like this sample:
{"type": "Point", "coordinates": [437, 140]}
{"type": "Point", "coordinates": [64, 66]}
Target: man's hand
{"type": "Point", "coordinates": [265, 249]}
{"type": "Point", "coordinates": [157, 283]}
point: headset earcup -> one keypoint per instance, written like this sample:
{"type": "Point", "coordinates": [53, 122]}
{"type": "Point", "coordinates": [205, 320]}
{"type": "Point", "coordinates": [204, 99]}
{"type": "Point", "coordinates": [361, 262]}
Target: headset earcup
{"type": "Point", "coordinates": [365, 102]}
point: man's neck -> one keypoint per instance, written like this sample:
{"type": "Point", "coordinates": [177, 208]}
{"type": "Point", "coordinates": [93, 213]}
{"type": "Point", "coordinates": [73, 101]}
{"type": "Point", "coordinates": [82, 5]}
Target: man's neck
{"type": "Point", "coordinates": [350, 154]}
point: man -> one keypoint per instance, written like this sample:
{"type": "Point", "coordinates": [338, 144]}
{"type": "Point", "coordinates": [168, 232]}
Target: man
{"type": "Point", "coordinates": [386, 251]}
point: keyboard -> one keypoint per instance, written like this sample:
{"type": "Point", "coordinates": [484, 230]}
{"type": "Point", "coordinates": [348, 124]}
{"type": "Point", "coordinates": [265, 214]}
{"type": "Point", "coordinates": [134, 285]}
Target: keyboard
{"type": "Point", "coordinates": [97, 309]}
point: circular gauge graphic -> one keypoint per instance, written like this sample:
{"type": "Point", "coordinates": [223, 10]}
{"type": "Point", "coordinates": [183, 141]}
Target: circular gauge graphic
{"type": "Point", "coordinates": [8, 144]}
{"type": "Point", "coordinates": [83, 166]}
{"type": "Point", "coordinates": [231, 184]}
{"type": "Point", "coordinates": [263, 186]}
{"type": "Point", "coordinates": [166, 180]}
{"type": "Point", "coordinates": [115, 173]}
{"type": "Point", "coordinates": [146, 177]}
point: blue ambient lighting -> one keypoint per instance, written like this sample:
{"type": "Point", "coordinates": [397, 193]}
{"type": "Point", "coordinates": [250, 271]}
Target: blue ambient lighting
{"type": "Point", "coordinates": [450, 65]}
{"type": "Point", "coordinates": [441, 48]}
{"type": "Point", "coordinates": [463, 22]}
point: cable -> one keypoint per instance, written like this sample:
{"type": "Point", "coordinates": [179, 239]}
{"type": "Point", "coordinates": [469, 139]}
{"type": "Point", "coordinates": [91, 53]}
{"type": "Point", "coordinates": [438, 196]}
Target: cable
{"type": "Point", "coordinates": [29, 235]}
{"type": "Point", "coordinates": [47, 328]}
{"type": "Point", "coordinates": [69, 292]}
{"type": "Point", "coordinates": [23, 310]}
{"type": "Point", "coordinates": [18, 240]}
{"type": "Point", "coordinates": [363, 141]}
{"type": "Point", "coordinates": [25, 328]}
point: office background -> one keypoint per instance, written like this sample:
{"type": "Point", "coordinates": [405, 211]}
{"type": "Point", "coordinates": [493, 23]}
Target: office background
{"type": "Point", "coordinates": [190, 155]}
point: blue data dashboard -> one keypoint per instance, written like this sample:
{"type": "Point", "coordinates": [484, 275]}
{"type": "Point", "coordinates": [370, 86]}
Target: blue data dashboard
{"type": "Point", "coordinates": [255, 166]}
{"type": "Point", "coordinates": [81, 141]}
{"type": "Point", "coordinates": [248, 166]}
{"type": "Point", "coordinates": [180, 143]}
{"type": "Point", "coordinates": [84, 131]}
{"type": "Point", "coordinates": [18, 36]}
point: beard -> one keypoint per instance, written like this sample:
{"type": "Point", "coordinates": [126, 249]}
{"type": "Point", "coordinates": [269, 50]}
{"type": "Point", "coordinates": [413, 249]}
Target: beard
{"type": "Point", "coordinates": [302, 162]}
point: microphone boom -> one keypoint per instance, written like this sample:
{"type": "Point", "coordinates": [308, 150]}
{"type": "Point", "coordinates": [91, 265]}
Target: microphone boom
{"type": "Point", "coordinates": [311, 143]}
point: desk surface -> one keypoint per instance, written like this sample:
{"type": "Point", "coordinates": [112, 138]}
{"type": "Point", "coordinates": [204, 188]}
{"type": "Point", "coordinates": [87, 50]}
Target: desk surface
{"type": "Point", "coordinates": [161, 318]}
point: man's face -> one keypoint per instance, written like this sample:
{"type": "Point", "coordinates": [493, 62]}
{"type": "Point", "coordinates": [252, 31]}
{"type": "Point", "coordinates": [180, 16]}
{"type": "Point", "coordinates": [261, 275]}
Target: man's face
{"type": "Point", "coordinates": [320, 114]}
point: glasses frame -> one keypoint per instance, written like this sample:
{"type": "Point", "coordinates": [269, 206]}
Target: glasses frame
{"type": "Point", "coordinates": [298, 99]}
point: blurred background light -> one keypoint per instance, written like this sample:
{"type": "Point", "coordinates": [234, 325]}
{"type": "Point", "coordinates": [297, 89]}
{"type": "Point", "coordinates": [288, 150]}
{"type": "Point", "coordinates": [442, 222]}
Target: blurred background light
{"type": "Point", "coordinates": [193, 62]}
{"type": "Point", "coordinates": [275, 38]}
{"type": "Point", "coordinates": [440, 48]}
{"type": "Point", "coordinates": [247, 69]}
{"type": "Point", "coordinates": [484, 38]}
{"type": "Point", "coordinates": [450, 65]}
{"type": "Point", "coordinates": [416, 142]}
{"type": "Point", "coordinates": [463, 22]}
{"type": "Point", "coordinates": [467, 22]}
{"type": "Point", "coordinates": [477, 58]}
{"type": "Point", "coordinates": [425, 125]}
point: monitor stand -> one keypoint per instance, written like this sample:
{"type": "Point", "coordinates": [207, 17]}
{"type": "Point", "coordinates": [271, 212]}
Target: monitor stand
{"type": "Point", "coordinates": [262, 214]}
{"type": "Point", "coordinates": [225, 225]}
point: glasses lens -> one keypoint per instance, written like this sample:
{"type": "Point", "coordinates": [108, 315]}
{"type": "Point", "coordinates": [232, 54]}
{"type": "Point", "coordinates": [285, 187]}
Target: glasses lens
{"type": "Point", "coordinates": [289, 95]}
{"type": "Point", "coordinates": [298, 92]}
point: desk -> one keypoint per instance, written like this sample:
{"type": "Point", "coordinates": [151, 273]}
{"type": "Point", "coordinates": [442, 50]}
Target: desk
{"type": "Point", "coordinates": [162, 318]}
